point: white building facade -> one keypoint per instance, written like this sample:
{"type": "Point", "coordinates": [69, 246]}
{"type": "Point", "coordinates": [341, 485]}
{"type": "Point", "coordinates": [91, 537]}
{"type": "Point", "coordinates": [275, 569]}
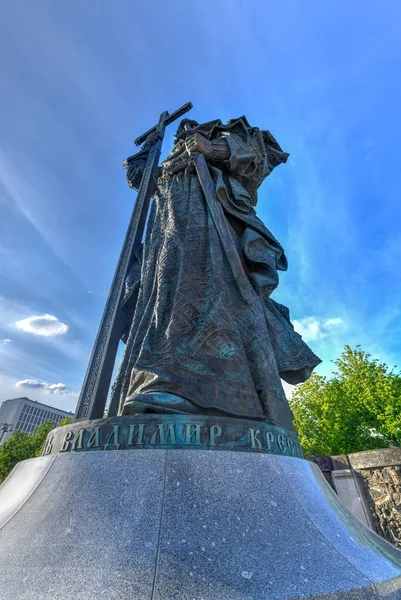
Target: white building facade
{"type": "Point", "coordinates": [25, 414]}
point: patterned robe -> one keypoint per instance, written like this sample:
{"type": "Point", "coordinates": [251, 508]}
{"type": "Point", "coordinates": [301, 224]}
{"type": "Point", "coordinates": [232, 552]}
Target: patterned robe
{"type": "Point", "coordinates": [189, 332]}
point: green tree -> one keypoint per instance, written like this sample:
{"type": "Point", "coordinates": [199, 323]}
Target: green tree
{"type": "Point", "coordinates": [21, 446]}
{"type": "Point", "coordinates": [358, 408]}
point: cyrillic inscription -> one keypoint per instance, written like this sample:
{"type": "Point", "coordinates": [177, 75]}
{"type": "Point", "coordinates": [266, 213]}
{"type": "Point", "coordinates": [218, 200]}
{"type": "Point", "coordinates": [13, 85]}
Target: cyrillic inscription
{"type": "Point", "coordinates": [134, 432]}
{"type": "Point", "coordinates": [193, 433]}
{"type": "Point", "coordinates": [281, 443]}
{"type": "Point", "coordinates": [138, 434]}
{"type": "Point", "coordinates": [164, 432]}
{"type": "Point", "coordinates": [269, 439]}
{"type": "Point", "coordinates": [67, 441]}
{"type": "Point", "coordinates": [112, 441]}
{"type": "Point", "coordinates": [77, 443]}
{"type": "Point", "coordinates": [94, 439]}
{"type": "Point", "coordinates": [215, 431]}
{"type": "Point", "coordinates": [48, 447]}
{"type": "Point", "coordinates": [255, 441]}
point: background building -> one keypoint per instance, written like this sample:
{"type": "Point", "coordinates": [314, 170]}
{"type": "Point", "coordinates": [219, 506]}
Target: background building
{"type": "Point", "coordinates": [25, 414]}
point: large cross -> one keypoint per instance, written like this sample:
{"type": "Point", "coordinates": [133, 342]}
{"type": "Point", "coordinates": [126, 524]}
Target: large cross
{"type": "Point", "coordinates": [95, 389]}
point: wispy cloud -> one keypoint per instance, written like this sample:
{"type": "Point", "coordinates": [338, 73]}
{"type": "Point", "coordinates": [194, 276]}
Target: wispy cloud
{"type": "Point", "coordinates": [46, 325]}
{"type": "Point", "coordinates": [53, 388]}
{"type": "Point", "coordinates": [315, 328]}
{"type": "Point", "coordinates": [66, 400]}
{"type": "Point", "coordinates": [38, 357]}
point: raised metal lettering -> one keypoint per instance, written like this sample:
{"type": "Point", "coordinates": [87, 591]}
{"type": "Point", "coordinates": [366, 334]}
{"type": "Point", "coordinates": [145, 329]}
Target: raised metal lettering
{"type": "Point", "coordinates": [190, 434]}
{"type": "Point", "coordinates": [78, 440]}
{"type": "Point", "coordinates": [94, 439]}
{"type": "Point", "coordinates": [290, 445]}
{"type": "Point", "coordinates": [113, 445]}
{"type": "Point", "coordinates": [255, 441]}
{"type": "Point", "coordinates": [48, 447]}
{"type": "Point", "coordinates": [138, 434]}
{"type": "Point", "coordinates": [164, 436]}
{"type": "Point", "coordinates": [66, 441]}
{"type": "Point", "coordinates": [215, 431]}
{"type": "Point", "coordinates": [269, 439]}
{"type": "Point", "coordinates": [281, 443]}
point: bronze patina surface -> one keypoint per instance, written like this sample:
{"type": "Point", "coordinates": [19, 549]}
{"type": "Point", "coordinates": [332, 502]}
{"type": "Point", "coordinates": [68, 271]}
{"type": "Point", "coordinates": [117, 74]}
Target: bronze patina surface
{"type": "Point", "coordinates": [202, 333]}
{"type": "Point", "coordinates": [191, 297]}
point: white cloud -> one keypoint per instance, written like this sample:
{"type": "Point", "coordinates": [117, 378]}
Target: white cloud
{"type": "Point", "coordinates": [56, 388]}
{"type": "Point", "coordinates": [288, 388]}
{"type": "Point", "coordinates": [334, 323]}
{"type": "Point", "coordinates": [43, 325]}
{"type": "Point", "coordinates": [53, 388]}
{"type": "Point", "coordinates": [6, 341]}
{"type": "Point", "coordinates": [66, 400]}
{"type": "Point", "coordinates": [315, 328]}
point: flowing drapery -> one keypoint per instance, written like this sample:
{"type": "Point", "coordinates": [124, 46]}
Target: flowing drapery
{"type": "Point", "coordinates": [190, 334]}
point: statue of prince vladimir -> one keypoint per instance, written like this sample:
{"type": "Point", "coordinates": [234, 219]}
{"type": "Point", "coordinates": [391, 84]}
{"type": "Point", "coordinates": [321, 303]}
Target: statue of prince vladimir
{"type": "Point", "coordinates": [193, 345]}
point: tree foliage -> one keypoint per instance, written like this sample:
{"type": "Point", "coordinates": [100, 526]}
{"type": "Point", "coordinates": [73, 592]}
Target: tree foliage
{"type": "Point", "coordinates": [359, 408]}
{"type": "Point", "coordinates": [21, 446]}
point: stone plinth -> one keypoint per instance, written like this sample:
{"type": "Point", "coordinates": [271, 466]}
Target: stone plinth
{"type": "Point", "coordinates": [182, 524]}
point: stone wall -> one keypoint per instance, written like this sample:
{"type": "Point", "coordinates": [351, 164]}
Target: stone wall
{"type": "Point", "coordinates": [383, 488]}
{"type": "Point", "coordinates": [369, 484]}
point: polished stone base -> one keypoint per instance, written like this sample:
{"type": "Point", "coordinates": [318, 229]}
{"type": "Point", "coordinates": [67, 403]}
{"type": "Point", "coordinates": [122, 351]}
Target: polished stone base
{"type": "Point", "coordinates": [184, 525]}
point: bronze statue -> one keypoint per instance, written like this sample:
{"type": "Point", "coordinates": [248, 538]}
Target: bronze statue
{"type": "Point", "coordinates": [202, 334]}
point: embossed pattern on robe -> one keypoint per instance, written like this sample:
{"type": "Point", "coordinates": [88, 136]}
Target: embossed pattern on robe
{"type": "Point", "coordinates": [191, 333]}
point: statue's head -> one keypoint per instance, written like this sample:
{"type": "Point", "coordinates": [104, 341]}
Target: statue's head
{"type": "Point", "coordinates": [185, 125]}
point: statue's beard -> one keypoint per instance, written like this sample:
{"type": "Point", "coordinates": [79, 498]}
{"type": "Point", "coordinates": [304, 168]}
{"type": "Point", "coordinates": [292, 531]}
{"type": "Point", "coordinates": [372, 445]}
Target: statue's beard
{"type": "Point", "coordinates": [203, 128]}
{"type": "Point", "coordinates": [185, 133]}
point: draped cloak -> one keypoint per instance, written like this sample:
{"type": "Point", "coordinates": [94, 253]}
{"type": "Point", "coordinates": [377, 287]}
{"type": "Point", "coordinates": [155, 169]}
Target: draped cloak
{"type": "Point", "coordinates": [189, 332]}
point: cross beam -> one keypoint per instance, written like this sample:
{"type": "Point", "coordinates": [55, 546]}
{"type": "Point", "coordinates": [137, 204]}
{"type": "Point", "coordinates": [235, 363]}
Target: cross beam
{"type": "Point", "coordinates": [170, 119]}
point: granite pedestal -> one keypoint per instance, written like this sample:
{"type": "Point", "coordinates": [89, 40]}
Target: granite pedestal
{"type": "Point", "coordinates": [163, 524]}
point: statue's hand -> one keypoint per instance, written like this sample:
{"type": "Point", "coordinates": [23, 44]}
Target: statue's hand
{"type": "Point", "coordinates": [151, 140]}
{"type": "Point", "coordinates": [198, 143]}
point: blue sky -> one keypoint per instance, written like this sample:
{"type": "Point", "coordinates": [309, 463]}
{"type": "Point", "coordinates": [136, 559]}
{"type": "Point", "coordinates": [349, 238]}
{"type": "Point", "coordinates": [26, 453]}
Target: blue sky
{"type": "Point", "coordinates": [80, 82]}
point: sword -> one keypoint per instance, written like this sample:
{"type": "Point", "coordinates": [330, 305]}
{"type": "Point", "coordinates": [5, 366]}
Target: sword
{"type": "Point", "coordinates": [222, 226]}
